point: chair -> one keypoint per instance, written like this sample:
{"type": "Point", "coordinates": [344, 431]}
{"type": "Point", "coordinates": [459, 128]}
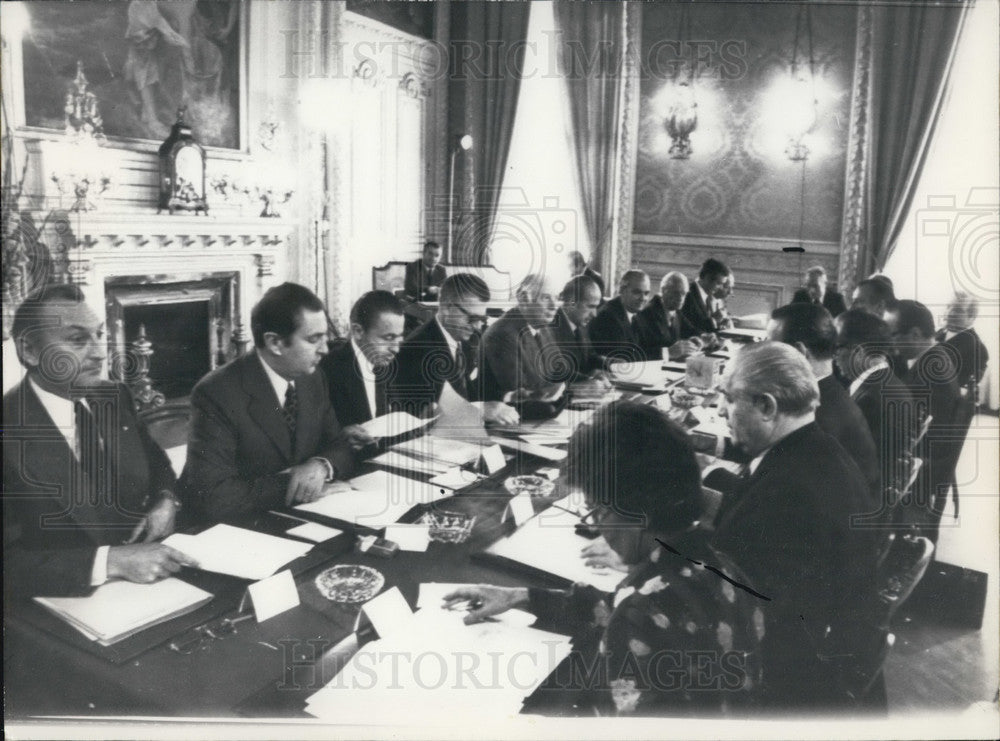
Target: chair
{"type": "Point", "coordinates": [168, 426]}
{"type": "Point", "coordinates": [390, 277]}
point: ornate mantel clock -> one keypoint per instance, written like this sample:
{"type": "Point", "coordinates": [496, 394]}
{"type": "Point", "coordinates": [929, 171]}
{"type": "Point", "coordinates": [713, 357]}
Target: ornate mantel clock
{"type": "Point", "coordinates": [182, 170]}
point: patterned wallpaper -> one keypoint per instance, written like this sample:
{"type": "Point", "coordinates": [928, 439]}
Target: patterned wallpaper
{"type": "Point", "coordinates": [738, 180]}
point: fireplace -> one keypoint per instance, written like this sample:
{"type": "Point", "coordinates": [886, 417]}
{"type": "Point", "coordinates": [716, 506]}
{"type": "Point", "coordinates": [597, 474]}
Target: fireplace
{"type": "Point", "coordinates": [166, 332]}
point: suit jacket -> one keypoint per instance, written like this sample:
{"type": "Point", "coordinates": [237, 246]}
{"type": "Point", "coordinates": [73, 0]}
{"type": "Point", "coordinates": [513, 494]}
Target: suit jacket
{"type": "Point", "coordinates": [840, 418]}
{"type": "Point", "coordinates": [655, 333]}
{"type": "Point", "coordinates": [52, 526]}
{"type": "Point", "coordinates": [423, 365]}
{"type": "Point", "coordinates": [832, 301]}
{"type": "Point", "coordinates": [788, 526]}
{"type": "Point", "coordinates": [416, 281]}
{"type": "Point", "coordinates": [346, 385]}
{"type": "Point", "coordinates": [517, 359]}
{"type": "Point", "coordinates": [577, 358]}
{"type": "Point", "coordinates": [239, 443]}
{"type": "Point", "coordinates": [612, 335]}
{"type": "Point", "coordinates": [970, 354]}
{"type": "Point", "coordinates": [697, 312]}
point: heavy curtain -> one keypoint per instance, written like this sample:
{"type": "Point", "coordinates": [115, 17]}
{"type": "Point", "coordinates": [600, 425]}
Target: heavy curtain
{"type": "Point", "coordinates": [590, 42]}
{"type": "Point", "coordinates": [913, 50]}
{"type": "Point", "coordinates": [487, 62]}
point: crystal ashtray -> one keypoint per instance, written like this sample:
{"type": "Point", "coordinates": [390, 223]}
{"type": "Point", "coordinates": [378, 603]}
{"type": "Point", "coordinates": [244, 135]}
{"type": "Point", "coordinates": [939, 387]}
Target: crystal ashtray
{"type": "Point", "coordinates": [448, 527]}
{"type": "Point", "coordinates": [534, 486]}
{"type": "Point", "coordinates": [350, 583]}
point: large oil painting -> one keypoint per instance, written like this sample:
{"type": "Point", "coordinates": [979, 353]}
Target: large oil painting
{"type": "Point", "coordinates": [143, 60]}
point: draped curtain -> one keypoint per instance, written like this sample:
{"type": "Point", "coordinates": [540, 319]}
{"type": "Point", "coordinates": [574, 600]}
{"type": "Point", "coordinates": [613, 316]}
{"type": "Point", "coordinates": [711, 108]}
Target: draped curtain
{"type": "Point", "coordinates": [487, 63]}
{"type": "Point", "coordinates": [590, 43]}
{"type": "Point", "coordinates": [913, 50]}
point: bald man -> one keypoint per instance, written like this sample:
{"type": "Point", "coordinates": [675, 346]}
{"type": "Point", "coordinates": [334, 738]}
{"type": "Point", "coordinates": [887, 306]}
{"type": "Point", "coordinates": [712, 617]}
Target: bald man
{"type": "Point", "coordinates": [661, 326]}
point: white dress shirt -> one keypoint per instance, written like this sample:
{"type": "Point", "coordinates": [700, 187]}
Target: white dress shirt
{"type": "Point", "coordinates": [367, 376]}
{"type": "Point", "coordinates": [278, 383]}
{"type": "Point", "coordinates": [856, 383]}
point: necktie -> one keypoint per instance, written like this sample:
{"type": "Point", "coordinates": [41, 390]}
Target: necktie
{"type": "Point", "coordinates": [458, 378]}
{"type": "Point", "coordinates": [90, 444]}
{"type": "Point", "coordinates": [290, 408]}
{"type": "Point", "coordinates": [381, 382]}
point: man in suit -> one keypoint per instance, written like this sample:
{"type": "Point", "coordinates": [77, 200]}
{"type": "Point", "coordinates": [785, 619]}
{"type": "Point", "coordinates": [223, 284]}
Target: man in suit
{"type": "Point", "coordinates": [519, 351]}
{"type": "Point", "coordinates": [786, 522]}
{"type": "Point", "coordinates": [447, 350]}
{"type": "Point", "coordinates": [960, 337]}
{"type": "Point", "coordinates": [424, 276]}
{"type": "Point", "coordinates": [699, 305]}
{"type": "Point", "coordinates": [578, 266]}
{"type": "Point", "coordinates": [614, 330]}
{"type": "Point", "coordinates": [86, 491]}
{"type": "Point", "coordinates": [809, 328]}
{"type": "Point", "coordinates": [358, 369]}
{"type": "Point", "coordinates": [815, 292]}
{"type": "Point", "coordinates": [931, 376]}
{"type": "Point", "coordinates": [263, 433]}
{"type": "Point", "coordinates": [579, 362]}
{"type": "Point", "coordinates": [662, 326]}
{"type": "Point", "coordinates": [863, 344]}
{"type": "Point", "coordinates": [874, 295]}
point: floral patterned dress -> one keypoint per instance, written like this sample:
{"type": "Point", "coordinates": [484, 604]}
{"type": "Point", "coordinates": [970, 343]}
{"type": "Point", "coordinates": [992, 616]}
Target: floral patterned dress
{"type": "Point", "coordinates": [680, 634]}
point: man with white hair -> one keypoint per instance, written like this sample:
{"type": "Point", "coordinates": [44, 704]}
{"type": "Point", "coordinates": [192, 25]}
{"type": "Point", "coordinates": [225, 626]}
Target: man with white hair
{"type": "Point", "coordinates": [815, 292]}
{"type": "Point", "coordinates": [787, 523]}
{"type": "Point", "coordinates": [519, 349]}
{"type": "Point", "coordinates": [660, 325]}
{"type": "Point", "coordinates": [961, 339]}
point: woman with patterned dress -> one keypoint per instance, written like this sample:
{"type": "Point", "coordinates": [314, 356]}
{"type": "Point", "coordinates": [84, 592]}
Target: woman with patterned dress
{"type": "Point", "coordinates": [680, 634]}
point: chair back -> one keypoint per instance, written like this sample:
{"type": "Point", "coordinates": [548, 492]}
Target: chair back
{"type": "Point", "coordinates": [389, 277]}
{"type": "Point", "coordinates": [900, 571]}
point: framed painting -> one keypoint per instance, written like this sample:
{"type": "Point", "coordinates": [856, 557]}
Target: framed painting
{"type": "Point", "coordinates": [144, 60]}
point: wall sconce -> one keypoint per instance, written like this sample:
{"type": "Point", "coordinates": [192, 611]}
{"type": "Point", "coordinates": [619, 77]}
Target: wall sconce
{"type": "Point", "coordinates": [83, 172]}
{"type": "Point", "coordinates": [800, 114]}
{"type": "Point", "coordinates": [462, 142]}
{"type": "Point", "coordinates": [681, 116]}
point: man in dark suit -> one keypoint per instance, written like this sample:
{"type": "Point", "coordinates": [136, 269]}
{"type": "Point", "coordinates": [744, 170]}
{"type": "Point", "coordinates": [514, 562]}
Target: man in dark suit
{"type": "Point", "coordinates": [424, 276]}
{"type": "Point", "coordinates": [931, 376]}
{"type": "Point", "coordinates": [447, 350]}
{"type": "Point", "coordinates": [874, 295]}
{"type": "Point", "coordinates": [809, 328]}
{"type": "Point", "coordinates": [614, 330]}
{"type": "Point", "coordinates": [358, 369]}
{"type": "Point", "coordinates": [86, 491]}
{"type": "Point", "coordinates": [700, 304]}
{"type": "Point", "coordinates": [579, 362]}
{"type": "Point", "coordinates": [863, 344]}
{"type": "Point", "coordinates": [960, 337]}
{"type": "Point", "coordinates": [786, 522]}
{"type": "Point", "coordinates": [521, 358]}
{"type": "Point", "coordinates": [662, 326]}
{"type": "Point", "coordinates": [263, 433]}
{"type": "Point", "coordinates": [578, 266]}
{"type": "Point", "coordinates": [815, 292]}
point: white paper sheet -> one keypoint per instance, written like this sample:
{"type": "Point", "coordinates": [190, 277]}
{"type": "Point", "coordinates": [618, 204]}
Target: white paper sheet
{"type": "Point", "coordinates": [393, 424]}
{"type": "Point", "coordinates": [432, 596]}
{"type": "Point", "coordinates": [376, 508]}
{"type": "Point", "coordinates": [273, 595]}
{"type": "Point", "coordinates": [237, 551]}
{"type": "Point", "coordinates": [409, 537]}
{"type": "Point", "coordinates": [314, 531]}
{"type": "Point", "coordinates": [541, 451]}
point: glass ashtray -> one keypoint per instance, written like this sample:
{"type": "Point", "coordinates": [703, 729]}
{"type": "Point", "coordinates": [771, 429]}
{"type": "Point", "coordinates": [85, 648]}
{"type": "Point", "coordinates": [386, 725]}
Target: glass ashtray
{"type": "Point", "coordinates": [350, 583]}
{"type": "Point", "coordinates": [533, 486]}
{"type": "Point", "coordinates": [685, 399]}
{"type": "Point", "coordinates": [448, 527]}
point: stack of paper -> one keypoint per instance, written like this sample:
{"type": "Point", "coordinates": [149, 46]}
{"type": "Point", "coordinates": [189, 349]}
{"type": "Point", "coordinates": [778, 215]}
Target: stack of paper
{"type": "Point", "coordinates": [548, 542]}
{"type": "Point", "coordinates": [119, 609]}
{"type": "Point", "coordinates": [237, 551]}
{"type": "Point", "coordinates": [394, 424]}
{"type": "Point", "coordinates": [431, 668]}
{"type": "Point", "coordinates": [375, 500]}
{"type": "Point", "coordinates": [643, 376]}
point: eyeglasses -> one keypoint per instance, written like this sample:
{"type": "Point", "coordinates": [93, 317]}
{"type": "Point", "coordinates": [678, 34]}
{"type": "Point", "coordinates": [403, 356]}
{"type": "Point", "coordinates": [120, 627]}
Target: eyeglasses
{"type": "Point", "coordinates": [201, 636]}
{"type": "Point", "coordinates": [473, 319]}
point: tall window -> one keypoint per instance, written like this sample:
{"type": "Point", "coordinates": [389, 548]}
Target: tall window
{"type": "Point", "coordinates": [951, 239]}
{"type": "Point", "coordinates": [539, 219]}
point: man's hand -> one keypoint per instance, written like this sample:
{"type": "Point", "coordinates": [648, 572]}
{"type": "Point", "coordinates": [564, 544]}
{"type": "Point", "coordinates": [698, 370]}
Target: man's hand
{"type": "Point", "coordinates": [145, 562]}
{"type": "Point", "coordinates": [305, 482]}
{"type": "Point", "coordinates": [433, 290]}
{"type": "Point", "coordinates": [158, 522]}
{"type": "Point", "coordinates": [683, 348]}
{"type": "Point", "coordinates": [601, 555]}
{"type": "Point", "coordinates": [709, 341]}
{"type": "Point", "coordinates": [357, 437]}
{"type": "Point", "coordinates": [484, 601]}
{"type": "Point", "coordinates": [499, 413]}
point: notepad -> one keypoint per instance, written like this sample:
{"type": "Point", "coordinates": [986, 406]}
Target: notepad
{"type": "Point", "coordinates": [237, 551]}
{"type": "Point", "coordinates": [120, 609]}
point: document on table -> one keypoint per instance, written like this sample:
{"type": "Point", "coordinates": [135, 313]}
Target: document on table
{"type": "Point", "coordinates": [432, 596]}
{"type": "Point", "coordinates": [548, 542]}
{"type": "Point", "coordinates": [237, 551]}
{"type": "Point", "coordinates": [376, 507]}
{"type": "Point", "coordinates": [439, 449]}
{"type": "Point", "coordinates": [424, 466]}
{"type": "Point", "coordinates": [394, 424]}
{"type": "Point", "coordinates": [119, 609]}
{"type": "Point", "coordinates": [429, 669]}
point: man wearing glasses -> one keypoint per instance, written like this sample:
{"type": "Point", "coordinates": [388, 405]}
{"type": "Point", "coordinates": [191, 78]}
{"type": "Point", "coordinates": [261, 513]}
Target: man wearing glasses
{"type": "Point", "coordinates": [446, 350]}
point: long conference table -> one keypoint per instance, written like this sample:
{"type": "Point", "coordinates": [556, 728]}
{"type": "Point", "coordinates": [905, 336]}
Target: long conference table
{"type": "Point", "coordinates": [269, 669]}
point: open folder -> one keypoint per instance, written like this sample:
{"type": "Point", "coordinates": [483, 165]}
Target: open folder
{"type": "Point", "coordinates": [120, 609]}
{"type": "Point", "coordinates": [237, 551]}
